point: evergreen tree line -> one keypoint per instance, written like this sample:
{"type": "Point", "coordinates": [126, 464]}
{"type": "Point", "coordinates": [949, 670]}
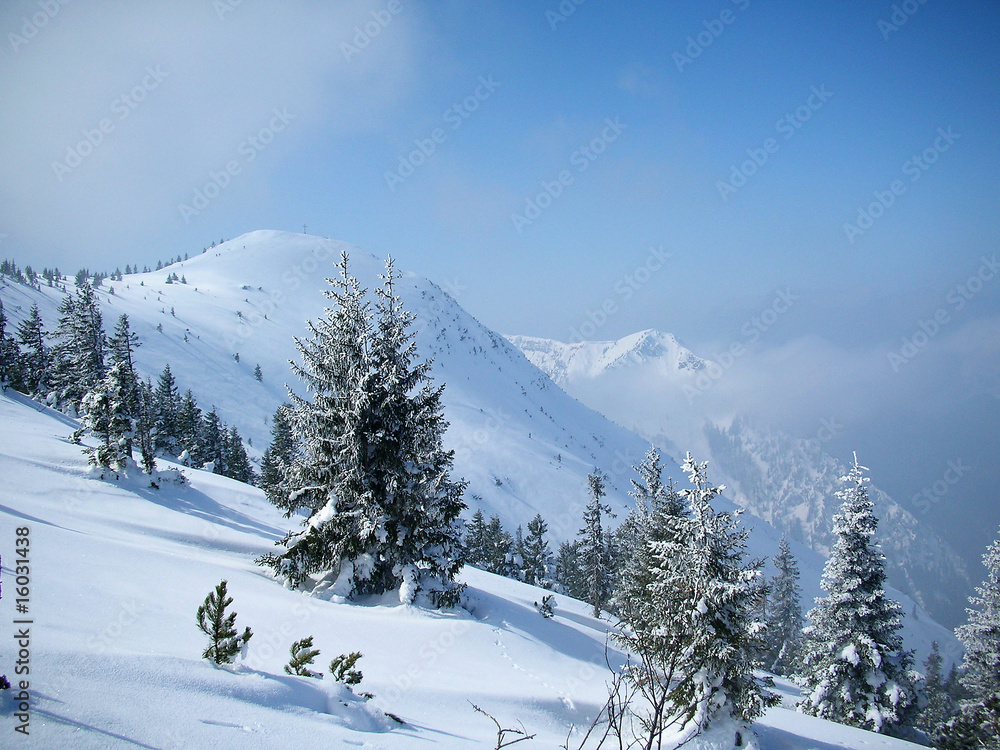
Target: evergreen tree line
{"type": "Point", "coordinates": [80, 370]}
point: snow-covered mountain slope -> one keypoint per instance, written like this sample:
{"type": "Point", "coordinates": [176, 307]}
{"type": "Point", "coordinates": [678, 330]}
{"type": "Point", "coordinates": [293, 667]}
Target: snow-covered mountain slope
{"type": "Point", "coordinates": [117, 570]}
{"type": "Point", "coordinates": [651, 384]}
{"type": "Point", "coordinates": [523, 444]}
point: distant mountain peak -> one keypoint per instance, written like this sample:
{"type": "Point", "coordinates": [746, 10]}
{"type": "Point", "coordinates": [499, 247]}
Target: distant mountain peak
{"type": "Point", "coordinates": [649, 348]}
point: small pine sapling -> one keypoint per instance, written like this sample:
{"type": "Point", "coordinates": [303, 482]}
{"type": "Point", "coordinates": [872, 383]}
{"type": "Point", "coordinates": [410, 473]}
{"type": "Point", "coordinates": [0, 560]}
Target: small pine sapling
{"type": "Point", "coordinates": [303, 654]}
{"type": "Point", "coordinates": [342, 669]}
{"type": "Point", "coordinates": [547, 608]}
{"type": "Point", "coordinates": [220, 627]}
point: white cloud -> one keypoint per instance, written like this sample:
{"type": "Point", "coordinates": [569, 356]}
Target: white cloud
{"type": "Point", "coordinates": [218, 81]}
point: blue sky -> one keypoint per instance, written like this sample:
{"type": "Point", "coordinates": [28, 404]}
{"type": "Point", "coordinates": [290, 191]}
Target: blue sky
{"type": "Point", "coordinates": [181, 88]}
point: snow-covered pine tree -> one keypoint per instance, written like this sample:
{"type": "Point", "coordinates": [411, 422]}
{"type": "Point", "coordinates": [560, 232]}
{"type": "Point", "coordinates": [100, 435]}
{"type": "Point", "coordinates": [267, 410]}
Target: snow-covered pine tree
{"type": "Point", "coordinates": [497, 544]}
{"type": "Point", "coordinates": [10, 360]}
{"type": "Point", "coordinates": [420, 502]}
{"type": "Point", "coordinates": [78, 352]}
{"type": "Point", "coordinates": [784, 615]}
{"type": "Point", "coordinates": [977, 724]}
{"type": "Point", "coordinates": [189, 429]}
{"type": "Point", "coordinates": [853, 662]}
{"type": "Point", "coordinates": [212, 442]}
{"type": "Point", "coordinates": [166, 401]}
{"type": "Point", "coordinates": [939, 707]}
{"type": "Point", "coordinates": [696, 639]}
{"type": "Point", "coordinates": [475, 540]}
{"type": "Point", "coordinates": [655, 504]}
{"type": "Point", "coordinates": [302, 655]}
{"type": "Point", "coordinates": [278, 457]}
{"type": "Point", "coordinates": [593, 552]}
{"type": "Point", "coordinates": [220, 627]}
{"type": "Point", "coordinates": [537, 555]}
{"type": "Point", "coordinates": [237, 463]}
{"type": "Point", "coordinates": [371, 469]}
{"type": "Point", "coordinates": [34, 354]}
{"type": "Point", "coordinates": [112, 410]}
{"type": "Point", "coordinates": [569, 579]}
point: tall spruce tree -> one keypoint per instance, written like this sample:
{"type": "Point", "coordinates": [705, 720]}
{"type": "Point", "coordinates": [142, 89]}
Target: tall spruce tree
{"type": "Point", "coordinates": [78, 351]}
{"type": "Point", "coordinates": [189, 428]}
{"type": "Point", "coordinates": [537, 557]}
{"type": "Point", "coordinates": [34, 354]}
{"type": "Point", "coordinates": [939, 707]}
{"type": "Point", "coordinates": [10, 359]}
{"type": "Point", "coordinates": [977, 724]}
{"type": "Point", "coordinates": [212, 444]}
{"type": "Point", "coordinates": [569, 578]}
{"type": "Point", "coordinates": [693, 632]}
{"type": "Point", "coordinates": [277, 458]}
{"type": "Point", "coordinates": [649, 521]}
{"type": "Point", "coordinates": [853, 662]}
{"type": "Point", "coordinates": [784, 615]}
{"type": "Point", "coordinates": [166, 402]}
{"type": "Point", "coordinates": [593, 552]}
{"type": "Point", "coordinates": [497, 544]}
{"type": "Point", "coordinates": [371, 470]}
{"type": "Point", "coordinates": [475, 540]}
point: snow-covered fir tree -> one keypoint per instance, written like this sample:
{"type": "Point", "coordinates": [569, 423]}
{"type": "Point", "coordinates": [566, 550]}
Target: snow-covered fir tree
{"type": "Point", "coordinates": [692, 633]}
{"type": "Point", "coordinates": [475, 540]}
{"type": "Point", "coordinates": [854, 664]}
{"type": "Point", "coordinates": [278, 456]}
{"type": "Point", "coordinates": [537, 556]}
{"type": "Point", "coordinates": [569, 577]}
{"type": "Point", "coordinates": [939, 707]}
{"type": "Point", "coordinates": [166, 438]}
{"type": "Point", "coordinates": [188, 429]}
{"type": "Point", "coordinates": [977, 724]}
{"type": "Point", "coordinates": [655, 504]}
{"type": "Point", "coordinates": [78, 351]}
{"type": "Point", "coordinates": [593, 552]}
{"type": "Point", "coordinates": [370, 467]}
{"type": "Point", "coordinates": [497, 545]}
{"type": "Point", "coordinates": [212, 444]}
{"type": "Point", "coordinates": [10, 364]}
{"type": "Point", "coordinates": [34, 353]}
{"type": "Point", "coordinates": [237, 463]}
{"type": "Point", "coordinates": [784, 615]}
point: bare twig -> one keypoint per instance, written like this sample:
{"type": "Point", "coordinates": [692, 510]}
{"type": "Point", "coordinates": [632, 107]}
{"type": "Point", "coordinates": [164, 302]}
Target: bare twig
{"type": "Point", "coordinates": [502, 740]}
